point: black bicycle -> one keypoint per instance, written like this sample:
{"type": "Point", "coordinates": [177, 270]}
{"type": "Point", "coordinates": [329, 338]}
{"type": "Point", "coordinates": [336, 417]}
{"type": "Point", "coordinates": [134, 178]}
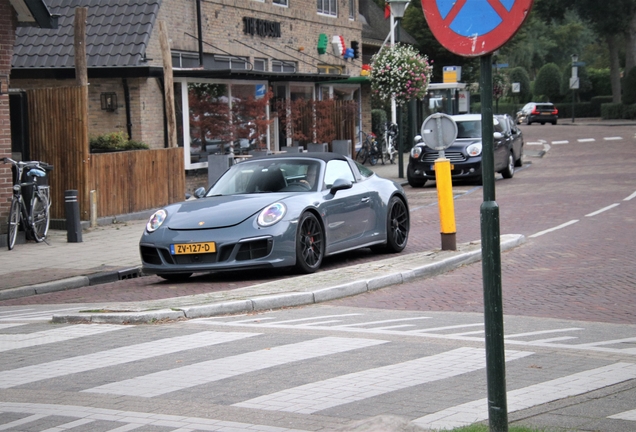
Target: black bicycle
{"type": "Point", "coordinates": [30, 203]}
{"type": "Point", "coordinates": [369, 150]}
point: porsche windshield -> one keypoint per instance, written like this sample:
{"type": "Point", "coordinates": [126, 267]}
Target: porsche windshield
{"type": "Point", "coordinates": [262, 176]}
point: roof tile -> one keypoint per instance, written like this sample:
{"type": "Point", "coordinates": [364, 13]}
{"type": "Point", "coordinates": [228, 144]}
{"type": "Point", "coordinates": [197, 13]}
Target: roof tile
{"type": "Point", "coordinates": [117, 34]}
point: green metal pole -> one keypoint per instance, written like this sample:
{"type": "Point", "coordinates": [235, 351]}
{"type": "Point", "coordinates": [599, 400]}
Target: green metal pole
{"type": "Point", "coordinates": [400, 123]}
{"type": "Point", "coordinates": [491, 263]}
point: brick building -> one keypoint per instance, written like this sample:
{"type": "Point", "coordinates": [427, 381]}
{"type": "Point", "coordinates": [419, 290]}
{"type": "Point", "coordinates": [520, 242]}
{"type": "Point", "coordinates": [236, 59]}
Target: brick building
{"type": "Point", "coordinates": [13, 14]}
{"type": "Point", "coordinates": [225, 56]}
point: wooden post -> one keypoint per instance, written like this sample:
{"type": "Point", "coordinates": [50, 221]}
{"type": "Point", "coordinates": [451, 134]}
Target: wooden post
{"type": "Point", "coordinates": [168, 84]}
{"type": "Point", "coordinates": [81, 73]}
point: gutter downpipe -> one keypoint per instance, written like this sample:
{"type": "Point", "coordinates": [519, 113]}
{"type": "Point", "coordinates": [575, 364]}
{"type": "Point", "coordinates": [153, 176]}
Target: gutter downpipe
{"type": "Point", "coordinates": [127, 102]}
{"type": "Point", "coordinates": [200, 33]}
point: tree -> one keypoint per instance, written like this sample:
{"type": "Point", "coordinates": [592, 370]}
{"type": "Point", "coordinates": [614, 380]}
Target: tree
{"type": "Point", "coordinates": [548, 82]}
{"type": "Point", "coordinates": [610, 20]}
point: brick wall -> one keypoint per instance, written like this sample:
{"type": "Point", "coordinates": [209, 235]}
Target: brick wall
{"type": "Point", "coordinates": [7, 37]}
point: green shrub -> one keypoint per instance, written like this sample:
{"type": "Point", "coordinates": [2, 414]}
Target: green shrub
{"type": "Point", "coordinates": [114, 141]}
{"type": "Point", "coordinates": [548, 83]}
{"type": "Point", "coordinates": [378, 120]}
{"type": "Point", "coordinates": [581, 109]}
{"type": "Point", "coordinates": [596, 103]}
{"type": "Point", "coordinates": [612, 111]}
{"type": "Point", "coordinates": [629, 87]}
{"type": "Point", "coordinates": [629, 111]}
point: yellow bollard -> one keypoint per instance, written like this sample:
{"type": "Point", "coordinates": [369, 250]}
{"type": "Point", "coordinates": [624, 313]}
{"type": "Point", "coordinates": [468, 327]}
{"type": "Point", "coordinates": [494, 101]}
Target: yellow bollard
{"type": "Point", "coordinates": [446, 204]}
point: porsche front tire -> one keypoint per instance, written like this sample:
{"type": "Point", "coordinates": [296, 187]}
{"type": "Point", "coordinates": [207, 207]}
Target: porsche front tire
{"type": "Point", "coordinates": [310, 244]}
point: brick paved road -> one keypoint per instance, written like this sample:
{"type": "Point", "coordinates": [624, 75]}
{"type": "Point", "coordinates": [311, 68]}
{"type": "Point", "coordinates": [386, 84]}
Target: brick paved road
{"type": "Point", "coordinates": [584, 271]}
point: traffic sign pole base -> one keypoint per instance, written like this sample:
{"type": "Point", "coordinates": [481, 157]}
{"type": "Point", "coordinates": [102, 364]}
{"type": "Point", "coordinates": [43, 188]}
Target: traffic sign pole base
{"type": "Point", "coordinates": [449, 241]}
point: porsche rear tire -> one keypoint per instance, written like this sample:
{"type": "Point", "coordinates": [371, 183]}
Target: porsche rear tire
{"type": "Point", "coordinates": [397, 227]}
{"type": "Point", "coordinates": [310, 244]}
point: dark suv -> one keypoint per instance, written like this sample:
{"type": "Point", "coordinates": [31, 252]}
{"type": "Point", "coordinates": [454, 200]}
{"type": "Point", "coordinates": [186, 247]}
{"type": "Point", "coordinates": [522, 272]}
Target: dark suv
{"type": "Point", "coordinates": [538, 112]}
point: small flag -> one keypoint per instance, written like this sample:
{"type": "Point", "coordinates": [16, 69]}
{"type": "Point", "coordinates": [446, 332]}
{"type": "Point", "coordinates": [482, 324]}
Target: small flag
{"type": "Point", "coordinates": [387, 11]}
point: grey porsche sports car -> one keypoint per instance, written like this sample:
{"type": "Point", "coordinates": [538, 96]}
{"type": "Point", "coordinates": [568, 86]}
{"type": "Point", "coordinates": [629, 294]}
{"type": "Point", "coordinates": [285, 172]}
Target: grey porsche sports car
{"type": "Point", "coordinates": [277, 211]}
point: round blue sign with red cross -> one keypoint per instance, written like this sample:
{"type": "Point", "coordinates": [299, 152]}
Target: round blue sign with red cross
{"type": "Point", "coordinates": [472, 28]}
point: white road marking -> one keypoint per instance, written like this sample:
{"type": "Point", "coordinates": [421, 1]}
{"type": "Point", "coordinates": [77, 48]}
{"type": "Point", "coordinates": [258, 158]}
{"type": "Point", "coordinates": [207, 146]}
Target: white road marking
{"type": "Point", "coordinates": [370, 323]}
{"type": "Point", "coordinates": [630, 197]}
{"type": "Point", "coordinates": [540, 233]}
{"type": "Point", "coordinates": [612, 138]}
{"type": "Point", "coordinates": [571, 385]}
{"type": "Point", "coordinates": [541, 332]}
{"type": "Point", "coordinates": [32, 314]}
{"type": "Point", "coordinates": [16, 341]}
{"type": "Point", "coordinates": [609, 207]}
{"type": "Point", "coordinates": [561, 142]}
{"type": "Point", "coordinates": [313, 318]}
{"type": "Point", "coordinates": [9, 325]}
{"type": "Point", "coordinates": [37, 372]}
{"type": "Point", "coordinates": [586, 140]}
{"type": "Point", "coordinates": [167, 381]}
{"type": "Point", "coordinates": [317, 396]}
{"type": "Point", "coordinates": [626, 415]}
{"type": "Point", "coordinates": [535, 143]}
{"type": "Point", "coordinates": [132, 419]}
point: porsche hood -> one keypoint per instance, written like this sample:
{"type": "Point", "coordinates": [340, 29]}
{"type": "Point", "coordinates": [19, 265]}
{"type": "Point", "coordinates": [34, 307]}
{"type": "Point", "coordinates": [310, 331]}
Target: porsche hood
{"type": "Point", "coordinates": [217, 212]}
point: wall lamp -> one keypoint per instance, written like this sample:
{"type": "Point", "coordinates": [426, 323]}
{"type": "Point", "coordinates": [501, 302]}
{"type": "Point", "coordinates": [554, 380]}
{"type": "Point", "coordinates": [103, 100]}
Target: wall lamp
{"type": "Point", "coordinates": [109, 101]}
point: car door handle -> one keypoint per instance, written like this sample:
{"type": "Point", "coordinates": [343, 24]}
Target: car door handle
{"type": "Point", "coordinates": [365, 200]}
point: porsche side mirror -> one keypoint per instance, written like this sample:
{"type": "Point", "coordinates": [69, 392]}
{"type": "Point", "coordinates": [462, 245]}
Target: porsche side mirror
{"type": "Point", "coordinates": [199, 192]}
{"type": "Point", "coordinates": [340, 184]}
{"type": "Point", "coordinates": [498, 135]}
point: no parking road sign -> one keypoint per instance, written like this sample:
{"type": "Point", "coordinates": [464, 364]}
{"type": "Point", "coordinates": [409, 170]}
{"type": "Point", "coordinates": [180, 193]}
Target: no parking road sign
{"type": "Point", "coordinates": [472, 28]}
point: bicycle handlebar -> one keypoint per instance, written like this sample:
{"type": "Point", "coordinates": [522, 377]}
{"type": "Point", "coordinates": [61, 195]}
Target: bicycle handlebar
{"type": "Point", "coordinates": [28, 164]}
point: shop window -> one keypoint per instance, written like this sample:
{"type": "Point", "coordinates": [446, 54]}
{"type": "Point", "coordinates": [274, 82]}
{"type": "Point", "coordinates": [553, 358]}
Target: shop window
{"type": "Point", "coordinates": [328, 7]}
{"type": "Point", "coordinates": [209, 121]}
{"type": "Point", "coordinates": [260, 64]}
{"type": "Point", "coordinates": [182, 60]}
{"type": "Point", "coordinates": [225, 62]}
{"type": "Point", "coordinates": [283, 66]}
{"type": "Point", "coordinates": [281, 2]}
{"type": "Point", "coordinates": [330, 69]}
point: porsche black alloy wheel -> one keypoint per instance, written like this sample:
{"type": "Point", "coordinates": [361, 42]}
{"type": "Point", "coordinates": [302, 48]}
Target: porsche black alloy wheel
{"type": "Point", "coordinates": [397, 225]}
{"type": "Point", "coordinates": [310, 244]}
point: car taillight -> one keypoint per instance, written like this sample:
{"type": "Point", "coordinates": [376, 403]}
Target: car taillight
{"type": "Point", "coordinates": [534, 111]}
{"type": "Point", "coordinates": [555, 111]}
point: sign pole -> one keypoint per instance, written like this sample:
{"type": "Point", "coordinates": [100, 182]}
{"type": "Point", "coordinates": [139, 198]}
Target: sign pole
{"type": "Point", "coordinates": [491, 263]}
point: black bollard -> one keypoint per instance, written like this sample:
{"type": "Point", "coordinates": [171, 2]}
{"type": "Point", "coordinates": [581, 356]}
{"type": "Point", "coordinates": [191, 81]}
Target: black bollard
{"type": "Point", "coordinates": [73, 225]}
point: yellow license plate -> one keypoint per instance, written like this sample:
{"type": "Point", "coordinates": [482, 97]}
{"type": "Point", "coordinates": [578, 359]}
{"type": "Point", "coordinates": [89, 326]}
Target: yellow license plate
{"type": "Point", "coordinates": [192, 248]}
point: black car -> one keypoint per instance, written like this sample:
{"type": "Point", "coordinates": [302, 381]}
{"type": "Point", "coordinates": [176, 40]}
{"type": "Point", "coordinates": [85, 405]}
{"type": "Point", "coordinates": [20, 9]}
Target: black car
{"type": "Point", "coordinates": [465, 153]}
{"type": "Point", "coordinates": [512, 133]}
{"type": "Point", "coordinates": [538, 112]}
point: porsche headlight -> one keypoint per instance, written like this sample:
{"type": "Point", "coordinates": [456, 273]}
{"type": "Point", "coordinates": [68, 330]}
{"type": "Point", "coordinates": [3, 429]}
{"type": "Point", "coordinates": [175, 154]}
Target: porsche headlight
{"type": "Point", "coordinates": [474, 149]}
{"type": "Point", "coordinates": [416, 152]}
{"type": "Point", "coordinates": [271, 214]}
{"type": "Point", "coordinates": [156, 220]}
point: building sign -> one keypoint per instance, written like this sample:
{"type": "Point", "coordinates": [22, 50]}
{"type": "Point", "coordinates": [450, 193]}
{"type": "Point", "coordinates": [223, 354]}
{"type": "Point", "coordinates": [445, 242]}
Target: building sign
{"type": "Point", "coordinates": [263, 28]}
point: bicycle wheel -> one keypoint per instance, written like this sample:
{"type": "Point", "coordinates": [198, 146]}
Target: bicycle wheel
{"type": "Point", "coordinates": [362, 155]}
{"type": "Point", "coordinates": [373, 157]}
{"type": "Point", "coordinates": [14, 223]}
{"type": "Point", "coordinates": [40, 217]}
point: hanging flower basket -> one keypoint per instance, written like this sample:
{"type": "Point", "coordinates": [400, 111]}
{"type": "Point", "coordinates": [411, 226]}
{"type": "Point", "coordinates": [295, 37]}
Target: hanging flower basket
{"type": "Point", "coordinates": [400, 71]}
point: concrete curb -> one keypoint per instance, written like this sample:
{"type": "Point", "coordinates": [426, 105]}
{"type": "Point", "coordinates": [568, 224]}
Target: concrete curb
{"type": "Point", "coordinates": [46, 287]}
{"type": "Point", "coordinates": [289, 299]}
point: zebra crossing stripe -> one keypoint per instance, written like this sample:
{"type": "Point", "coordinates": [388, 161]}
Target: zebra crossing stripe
{"type": "Point", "coordinates": [131, 419]}
{"type": "Point", "coordinates": [113, 357]}
{"type": "Point", "coordinates": [309, 398]}
{"type": "Point", "coordinates": [571, 385]}
{"type": "Point", "coordinates": [201, 373]}
{"type": "Point", "coordinates": [23, 340]}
